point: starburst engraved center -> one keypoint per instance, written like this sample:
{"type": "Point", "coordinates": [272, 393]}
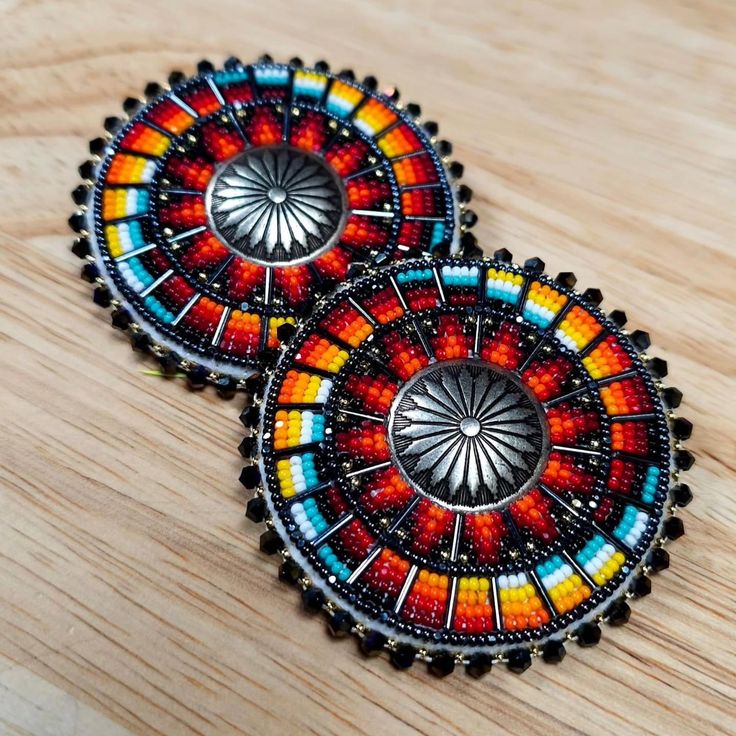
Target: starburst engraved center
{"type": "Point", "coordinates": [468, 434]}
{"type": "Point", "coordinates": [277, 205]}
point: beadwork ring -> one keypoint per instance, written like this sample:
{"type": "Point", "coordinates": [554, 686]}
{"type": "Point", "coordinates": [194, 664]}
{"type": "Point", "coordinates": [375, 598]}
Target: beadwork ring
{"type": "Point", "coordinates": [224, 204]}
{"type": "Point", "coordinates": [466, 461]}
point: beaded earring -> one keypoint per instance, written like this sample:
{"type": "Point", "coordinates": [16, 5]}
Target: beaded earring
{"type": "Point", "coordinates": [467, 462]}
{"type": "Point", "coordinates": [223, 205]}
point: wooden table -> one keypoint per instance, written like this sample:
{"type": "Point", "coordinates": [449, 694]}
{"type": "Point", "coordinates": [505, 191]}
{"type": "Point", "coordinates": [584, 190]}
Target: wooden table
{"type": "Point", "coordinates": [133, 598]}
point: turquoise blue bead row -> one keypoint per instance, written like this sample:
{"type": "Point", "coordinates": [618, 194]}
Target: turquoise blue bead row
{"type": "Point", "coordinates": [140, 271]}
{"type": "Point", "coordinates": [590, 550]}
{"type": "Point", "coordinates": [510, 297]}
{"type": "Point", "coordinates": [272, 76]}
{"type": "Point", "coordinates": [231, 77]}
{"type": "Point", "coordinates": [627, 522]}
{"type": "Point", "coordinates": [155, 306]}
{"type": "Point", "coordinates": [424, 274]}
{"type": "Point", "coordinates": [318, 428]}
{"type": "Point", "coordinates": [310, 471]}
{"type": "Point", "coordinates": [438, 234]}
{"type": "Point", "coordinates": [339, 569]}
{"type": "Point", "coordinates": [551, 566]}
{"type": "Point", "coordinates": [537, 319]}
{"type": "Point", "coordinates": [460, 276]}
{"type": "Point", "coordinates": [651, 481]}
{"type": "Point", "coordinates": [315, 515]}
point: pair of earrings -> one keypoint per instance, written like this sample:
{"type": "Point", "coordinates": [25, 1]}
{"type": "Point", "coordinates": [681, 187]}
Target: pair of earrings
{"type": "Point", "coordinates": [458, 459]}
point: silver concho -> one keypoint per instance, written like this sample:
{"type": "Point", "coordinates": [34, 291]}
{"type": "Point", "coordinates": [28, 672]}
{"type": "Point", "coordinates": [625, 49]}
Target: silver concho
{"type": "Point", "coordinates": [277, 205]}
{"type": "Point", "coordinates": [468, 435]}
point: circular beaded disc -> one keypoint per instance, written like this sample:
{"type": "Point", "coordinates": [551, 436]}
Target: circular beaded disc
{"type": "Point", "coordinates": [467, 458]}
{"type": "Point", "coordinates": [227, 202]}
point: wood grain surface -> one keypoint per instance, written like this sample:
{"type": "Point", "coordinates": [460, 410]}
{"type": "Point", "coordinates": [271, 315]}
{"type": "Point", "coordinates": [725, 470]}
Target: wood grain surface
{"type": "Point", "coordinates": [598, 135]}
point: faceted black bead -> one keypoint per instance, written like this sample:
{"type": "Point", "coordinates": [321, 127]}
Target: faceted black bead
{"type": "Point", "coordinates": [553, 651]}
{"type": "Point", "coordinates": [197, 378]}
{"type": "Point", "coordinates": [403, 657]}
{"type": "Point", "coordinates": [270, 542]}
{"type": "Point", "coordinates": [356, 270]}
{"type": "Point", "coordinates": [347, 74]}
{"type": "Point", "coordinates": [322, 66]}
{"type": "Point", "coordinates": [681, 494]}
{"type": "Point", "coordinates": [169, 364]}
{"type": "Point", "coordinates": [97, 146]}
{"type": "Point", "coordinates": [296, 61]}
{"type": "Point", "coordinates": [682, 428]}
{"type": "Point", "coordinates": [468, 218]}
{"type": "Point", "coordinates": [469, 241]}
{"type": "Point", "coordinates": [618, 317]}
{"type": "Point", "coordinates": [640, 339]}
{"type": "Point", "coordinates": [413, 109]}
{"type": "Point", "coordinates": [372, 643]}
{"type": "Point", "coordinates": [253, 384]}
{"type": "Point", "coordinates": [340, 624]}
{"type": "Point", "coordinates": [618, 613]}
{"type": "Point", "coordinates": [247, 446]}
{"type": "Point", "coordinates": [444, 148]}
{"type": "Point", "coordinates": [250, 416]}
{"type": "Point", "coordinates": [657, 367]}
{"type": "Point", "coordinates": [441, 665]}
{"type": "Point", "coordinates": [673, 527]}
{"type": "Point", "coordinates": [442, 249]}
{"type": "Point", "coordinates": [101, 295]}
{"type": "Point", "coordinates": [534, 264]}
{"type": "Point", "coordinates": [659, 559]}
{"type": "Point", "coordinates": [456, 169]}
{"type": "Point", "coordinates": [206, 67]}
{"type": "Point", "coordinates": [289, 571]}
{"type": "Point", "coordinates": [176, 77]}
{"type": "Point", "coordinates": [593, 296]}
{"type": "Point", "coordinates": [313, 599]}
{"type": "Point", "coordinates": [393, 94]}
{"type": "Point", "coordinates": [431, 127]}
{"type": "Point", "coordinates": [232, 62]}
{"type": "Point", "coordinates": [79, 195]}
{"type": "Point", "coordinates": [370, 82]}
{"type": "Point", "coordinates": [567, 278]}
{"type": "Point", "coordinates": [152, 89]}
{"type": "Point", "coordinates": [140, 341]}
{"type": "Point", "coordinates": [589, 635]}
{"type": "Point", "coordinates": [470, 247]}
{"type": "Point", "coordinates": [226, 387]}
{"type": "Point", "coordinates": [464, 193]}
{"type": "Point", "coordinates": [381, 259]}
{"type": "Point", "coordinates": [87, 170]}
{"type": "Point", "coordinates": [80, 248]}
{"type": "Point", "coordinates": [255, 509]}
{"type": "Point", "coordinates": [111, 124]}
{"type": "Point", "coordinates": [269, 357]}
{"type": "Point", "coordinates": [503, 255]}
{"type": "Point", "coordinates": [479, 665]}
{"type": "Point", "coordinates": [120, 319]}
{"type": "Point", "coordinates": [89, 272]}
{"type": "Point", "coordinates": [672, 397]}
{"type": "Point", "coordinates": [130, 105]}
{"type": "Point", "coordinates": [285, 332]}
{"type": "Point", "coordinates": [641, 586]}
{"type": "Point", "coordinates": [684, 460]}
{"type": "Point", "coordinates": [520, 660]}
{"type": "Point", "coordinates": [77, 222]}
{"type": "Point", "coordinates": [250, 476]}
